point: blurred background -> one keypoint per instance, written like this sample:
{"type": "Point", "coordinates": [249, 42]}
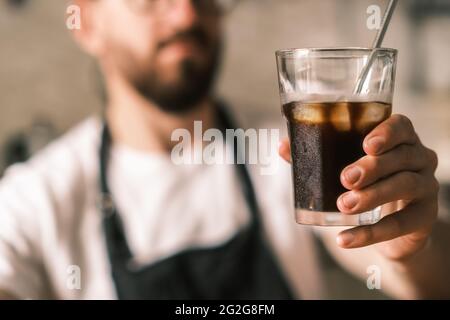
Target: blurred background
{"type": "Point", "coordinates": [47, 84]}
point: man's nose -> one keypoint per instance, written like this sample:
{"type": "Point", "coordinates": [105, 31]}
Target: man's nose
{"type": "Point", "coordinates": [184, 14]}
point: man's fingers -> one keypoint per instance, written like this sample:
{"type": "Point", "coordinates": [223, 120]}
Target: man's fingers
{"type": "Point", "coordinates": [413, 218]}
{"type": "Point", "coordinates": [396, 130]}
{"type": "Point", "coordinates": [284, 149]}
{"type": "Point", "coordinates": [370, 169]}
{"type": "Point", "coordinates": [405, 185]}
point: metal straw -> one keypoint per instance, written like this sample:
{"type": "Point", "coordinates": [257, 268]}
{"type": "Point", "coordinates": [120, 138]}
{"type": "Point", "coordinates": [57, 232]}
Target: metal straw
{"type": "Point", "coordinates": [376, 44]}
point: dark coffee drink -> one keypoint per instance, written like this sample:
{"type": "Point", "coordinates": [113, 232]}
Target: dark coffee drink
{"type": "Point", "coordinates": [325, 138]}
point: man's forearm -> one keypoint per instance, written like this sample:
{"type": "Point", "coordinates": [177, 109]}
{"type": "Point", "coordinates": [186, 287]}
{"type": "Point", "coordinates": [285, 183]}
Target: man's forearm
{"type": "Point", "coordinates": [427, 273]}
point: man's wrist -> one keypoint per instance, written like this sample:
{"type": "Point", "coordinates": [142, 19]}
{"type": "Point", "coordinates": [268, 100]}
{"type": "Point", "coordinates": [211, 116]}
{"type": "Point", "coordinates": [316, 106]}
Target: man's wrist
{"type": "Point", "coordinates": [414, 260]}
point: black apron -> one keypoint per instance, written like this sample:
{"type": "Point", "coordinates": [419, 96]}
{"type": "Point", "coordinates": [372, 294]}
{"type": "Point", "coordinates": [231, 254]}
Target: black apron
{"type": "Point", "coordinates": [242, 268]}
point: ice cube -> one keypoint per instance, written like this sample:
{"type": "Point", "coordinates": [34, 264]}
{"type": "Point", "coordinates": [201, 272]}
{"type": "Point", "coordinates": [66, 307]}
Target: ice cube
{"type": "Point", "coordinates": [372, 113]}
{"type": "Point", "coordinates": [340, 116]}
{"type": "Point", "coordinates": [309, 112]}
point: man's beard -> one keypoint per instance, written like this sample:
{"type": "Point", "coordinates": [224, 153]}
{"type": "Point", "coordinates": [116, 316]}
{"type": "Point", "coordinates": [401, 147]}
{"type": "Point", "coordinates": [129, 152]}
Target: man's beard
{"type": "Point", "coordinates": [193, 83]}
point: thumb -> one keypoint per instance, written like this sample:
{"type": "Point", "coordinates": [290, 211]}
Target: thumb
{"type": "Point", "coordinates": [284, 149]}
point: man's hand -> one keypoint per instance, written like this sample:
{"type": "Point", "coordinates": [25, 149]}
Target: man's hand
{"type": "Point", "coordinates": [397, 172]}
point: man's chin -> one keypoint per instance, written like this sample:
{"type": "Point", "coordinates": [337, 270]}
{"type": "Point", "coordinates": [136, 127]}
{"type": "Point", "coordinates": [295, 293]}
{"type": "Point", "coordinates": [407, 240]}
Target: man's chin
{"type": "Point", "coordinates": [180, 52]}
{"type": "Point", "coordinates": [184, 68]}
{"type": "Point", "coordinates": [177, 99]}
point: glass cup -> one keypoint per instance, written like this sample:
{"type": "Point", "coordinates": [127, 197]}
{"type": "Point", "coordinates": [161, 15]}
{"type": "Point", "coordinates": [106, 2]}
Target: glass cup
{"type": "Point", "coordinates": [329, 111]}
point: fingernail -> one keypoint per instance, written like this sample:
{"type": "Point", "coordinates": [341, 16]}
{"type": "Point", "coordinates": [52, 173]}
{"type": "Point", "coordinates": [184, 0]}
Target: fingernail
{"type": "Point", "coordinates": [375, 143]}
{"type": "Point", "coordinates": [345, 239]}
{"type": "Point", "coordinates": [350, 200]}
{"type": "Point", "coordinates": [352, 174]}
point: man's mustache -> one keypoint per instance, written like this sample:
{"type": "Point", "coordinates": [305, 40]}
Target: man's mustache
{"type": "Point", "coordinates": [195, 35]}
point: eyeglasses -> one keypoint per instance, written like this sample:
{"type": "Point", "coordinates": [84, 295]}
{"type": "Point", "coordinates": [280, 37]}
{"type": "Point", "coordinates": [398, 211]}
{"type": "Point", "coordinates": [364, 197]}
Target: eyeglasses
{"type": "Point", "coordinates": [163, 6]}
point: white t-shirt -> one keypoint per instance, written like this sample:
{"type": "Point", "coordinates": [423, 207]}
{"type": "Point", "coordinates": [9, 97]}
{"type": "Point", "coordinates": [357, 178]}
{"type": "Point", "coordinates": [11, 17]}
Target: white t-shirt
{"type": "Point", "coordinates": [51, 238]}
